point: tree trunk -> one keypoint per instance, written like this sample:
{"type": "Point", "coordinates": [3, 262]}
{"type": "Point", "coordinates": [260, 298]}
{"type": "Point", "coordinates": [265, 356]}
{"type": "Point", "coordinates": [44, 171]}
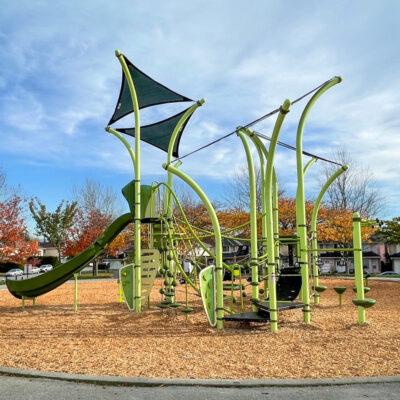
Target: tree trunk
{"type": "Point", "coordinates": [59, 254]}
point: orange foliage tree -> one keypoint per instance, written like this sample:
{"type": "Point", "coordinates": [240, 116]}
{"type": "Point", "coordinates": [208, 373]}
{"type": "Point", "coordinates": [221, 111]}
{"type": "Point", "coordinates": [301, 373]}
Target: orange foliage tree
{"type": "Point", "coordinates": [121, 242]}
{"type": "Point", "coordinates": [86, 229]}
{"type": "Point", "coordinates": [14, 245]}
{"type": "Point", "coordinates": [333, 225]}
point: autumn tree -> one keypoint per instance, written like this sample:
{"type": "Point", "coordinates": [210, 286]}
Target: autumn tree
{"type": "Point", "coordinates": [15, 245]}
{"type": "Point", "coordinates": [389, 230]}
{"type": "Point", "coordinates": [96, 208]}
{"type": "Point", "coordinates": [53, 226]}
{"type": "Point", "coordinates": [353, 190]}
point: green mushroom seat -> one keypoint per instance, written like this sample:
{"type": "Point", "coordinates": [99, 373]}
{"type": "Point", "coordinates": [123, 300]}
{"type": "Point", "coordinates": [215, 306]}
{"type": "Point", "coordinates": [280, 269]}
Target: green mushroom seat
{"type": "Point", "coordinates": [339, 289]}
{"type": "Point", "coordinates": [365, 303]}
{"type": "Point", "coordinates": [319, 289]}
{"type": "Point", "coordinates": [366, 289]}
{"type": "Point", "coordinates": [163, 305]}
{"type": "Point", "coordinates": [187, 310]}
{"type": "Point", "coordinates": [174, 305]}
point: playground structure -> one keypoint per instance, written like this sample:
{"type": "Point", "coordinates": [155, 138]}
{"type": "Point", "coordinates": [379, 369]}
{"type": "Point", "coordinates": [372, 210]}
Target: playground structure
{"type": "Point", "coordinates": [157, 205]}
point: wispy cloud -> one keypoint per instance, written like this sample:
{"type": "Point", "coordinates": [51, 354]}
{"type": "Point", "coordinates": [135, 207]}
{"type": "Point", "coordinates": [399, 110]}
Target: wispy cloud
{"type": "Point", "coordinates": [59, 80]}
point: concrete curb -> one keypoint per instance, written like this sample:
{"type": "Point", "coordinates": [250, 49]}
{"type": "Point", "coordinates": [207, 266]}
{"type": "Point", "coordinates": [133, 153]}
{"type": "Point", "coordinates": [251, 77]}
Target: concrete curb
{"type": "Point", "coordinates": [217, 383]}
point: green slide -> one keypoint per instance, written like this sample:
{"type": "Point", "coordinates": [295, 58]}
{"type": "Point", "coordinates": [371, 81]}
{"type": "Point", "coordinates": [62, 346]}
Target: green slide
{"type": "Point", "coordinates": [48, 281]}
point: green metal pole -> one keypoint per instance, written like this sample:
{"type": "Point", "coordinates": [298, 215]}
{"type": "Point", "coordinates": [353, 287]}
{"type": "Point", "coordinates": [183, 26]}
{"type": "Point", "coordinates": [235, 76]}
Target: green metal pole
{"type": "Point", "coordinates": [217, 236]}
{"type": "Point", "coordinates": [314, 236]}
{"type": "Point", "coordinates": [253, 216]}
{"type": "Point", "coordinates": [137, 218]}
{"type": "Point", "coordinates": [168, 196]}
{"type": "Point", "coordinates": [125, 143]}
{"type": "Point", "coordinates": [300, 200]}
{"type": "Point", "coordinates": [305, 169]}
{"type": "Point", "coordinates": [308, 165]}
{"type": "Point", "coordinates": [275, 219]}
{"type": "Point", "coordinates": [358, 265]}
{"type": "Point", "coordinates": [263, 156]}
{"type": "Point", "coordinates": [273, 306]}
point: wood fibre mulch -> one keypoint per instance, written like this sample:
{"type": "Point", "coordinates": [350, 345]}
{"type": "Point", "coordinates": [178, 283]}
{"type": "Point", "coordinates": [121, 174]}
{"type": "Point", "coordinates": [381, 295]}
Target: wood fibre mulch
{"type": "Point", "coordinates": [104, 338]}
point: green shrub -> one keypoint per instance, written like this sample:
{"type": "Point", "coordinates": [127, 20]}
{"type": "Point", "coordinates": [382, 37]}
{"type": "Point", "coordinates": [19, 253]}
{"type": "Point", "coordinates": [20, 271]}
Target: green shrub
{"type": "Point", "coordinates": [6, 266]}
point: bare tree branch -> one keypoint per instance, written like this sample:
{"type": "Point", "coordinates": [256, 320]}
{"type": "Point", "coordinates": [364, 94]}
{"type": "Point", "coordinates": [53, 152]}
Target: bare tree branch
{"type": "Point", "coordinates": [238, 191]}
{"type": "Point", "coordinates": [353, 190]}
{"type": "Point", "coordinates": [93, 196]}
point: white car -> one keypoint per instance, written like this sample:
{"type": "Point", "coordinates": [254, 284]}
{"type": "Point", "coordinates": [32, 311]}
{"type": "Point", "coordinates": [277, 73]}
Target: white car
{"type": "Point", "coordinates": [45, 268]}
{"type": "Point", "coordinates": [13, 273]}
{"type": "Point", "coordinates": [34, 270]}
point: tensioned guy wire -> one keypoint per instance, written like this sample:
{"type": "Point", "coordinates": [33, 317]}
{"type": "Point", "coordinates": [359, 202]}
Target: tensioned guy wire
{"type": "Point", "coordinates": [256, 121]}
{"type": "Point", "coordinates": [306, 153]}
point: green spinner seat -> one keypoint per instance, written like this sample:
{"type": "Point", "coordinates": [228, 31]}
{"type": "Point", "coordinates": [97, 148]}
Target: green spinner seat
{"type": "Point", "coordinates": [365, 303]}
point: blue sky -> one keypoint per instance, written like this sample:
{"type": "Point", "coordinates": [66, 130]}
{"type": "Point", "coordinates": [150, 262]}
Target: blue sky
{"type": "Point", "coordinates": [59, 81]}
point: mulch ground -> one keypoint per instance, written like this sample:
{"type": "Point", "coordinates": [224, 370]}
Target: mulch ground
{"type": "Point", "coordinates": [105, 338]}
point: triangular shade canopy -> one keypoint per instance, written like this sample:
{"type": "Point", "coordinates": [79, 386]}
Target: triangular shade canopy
{"type": "Point", "coordinates": [159, 133]}
{"type": "Point", "coordinates": [148, 91]}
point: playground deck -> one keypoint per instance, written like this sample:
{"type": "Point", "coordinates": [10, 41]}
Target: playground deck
{"type": "Point", "coordinates": [104, 338]}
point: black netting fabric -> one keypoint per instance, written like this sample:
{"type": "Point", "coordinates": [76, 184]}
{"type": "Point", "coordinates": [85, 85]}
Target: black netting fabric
{"type": "Point", "coordinates": [148, 91]}
{"type": "Point", "coordinates": [159, 133]}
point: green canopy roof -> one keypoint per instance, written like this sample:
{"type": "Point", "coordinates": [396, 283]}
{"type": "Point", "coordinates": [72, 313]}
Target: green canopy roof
{"type": "Point", "coordinates": [159, 133]}
{"type": "Point", "coordinates": [148, 91]}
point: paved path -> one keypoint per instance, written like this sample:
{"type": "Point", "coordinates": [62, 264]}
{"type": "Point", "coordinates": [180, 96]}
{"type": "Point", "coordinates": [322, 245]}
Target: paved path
{"type": "Point", "coordinates": [14, 388]}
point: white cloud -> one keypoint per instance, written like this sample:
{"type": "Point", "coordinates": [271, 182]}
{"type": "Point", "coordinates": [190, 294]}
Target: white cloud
{"type": "Point", "coordinates": [59, 80]}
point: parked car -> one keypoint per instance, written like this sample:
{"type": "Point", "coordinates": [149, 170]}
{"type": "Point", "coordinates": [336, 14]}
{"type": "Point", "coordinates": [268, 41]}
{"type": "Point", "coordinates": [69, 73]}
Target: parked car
{"type": "Point", "coordinates": [34, 270]}
{"type": "Point", "coordinates": [45, 268]}
{"type": "Point", "coordinates": [13, 273]}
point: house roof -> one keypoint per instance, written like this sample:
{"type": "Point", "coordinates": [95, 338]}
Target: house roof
{"type": "Point", "coordinates": [233, 242]}
{"type": "Point", "coordinates": [395, 255]}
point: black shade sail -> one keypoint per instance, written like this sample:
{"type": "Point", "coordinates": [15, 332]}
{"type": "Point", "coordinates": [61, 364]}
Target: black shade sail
{"type": "Point", "coordinates": [159, 133]}
{"type": "Point", "coordinates": [148, 91]}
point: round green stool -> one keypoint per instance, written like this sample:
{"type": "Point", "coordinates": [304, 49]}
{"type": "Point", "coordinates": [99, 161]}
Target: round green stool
{"type": "Point", "coordinates": [319, 289]}
{"type": "Point", "coordinates": [365, 303]}
{"type": "Point", "coordinates": [340, 290]}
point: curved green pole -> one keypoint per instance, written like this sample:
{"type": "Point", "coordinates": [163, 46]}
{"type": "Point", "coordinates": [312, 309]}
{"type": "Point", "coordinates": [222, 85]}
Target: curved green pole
{"type": "Point", "coordinates": [171, 145]}
{"type": "Point", "coordinates": [300, 199]}
{"type": "Point", "coordinates": [121, 137]}
{"type": "Point", "coordinates": [358, 265]}
{"type": "Point", "coordinates": [273, 306]}
{"type": "Point", "coordinates": [168, 206]}
{"type": "Point", "coordinates": [137, 218]}
{"type": "Point", "coordinates": [314, 237]}
{"type": "Point", "coordinates": [309, 164]}
{"type": "Point", "coordinates": [217, 236]}
{"type": "Point", "coordinates": [263, 154]}
{"type": "Point", "coordinates": [253, 215]}
{"type": "Point", "coordinates": [305, 170]}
